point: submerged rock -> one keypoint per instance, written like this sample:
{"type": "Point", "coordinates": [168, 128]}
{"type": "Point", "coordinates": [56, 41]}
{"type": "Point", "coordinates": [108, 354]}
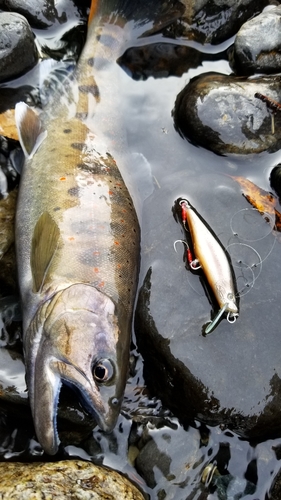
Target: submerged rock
{"type": "Point", "coordinates": [214, 21]}
{"type": "Point", "coordinates": [232, 376]}
{"type": "Point", "coordinates": [222, 113]}
{"type": "Point", "coordinates": [65, 479]}
{"type": "Point", "coordinates": [17, 49]}
{"type": "Point", "coordinates": [254, 51]}
{"type": "Point", "coordinates": [161, 60]}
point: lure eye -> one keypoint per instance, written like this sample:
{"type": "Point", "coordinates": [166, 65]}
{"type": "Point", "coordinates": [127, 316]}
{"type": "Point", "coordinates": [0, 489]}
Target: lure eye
{"type": "Point", "coordinates": [103, 371]}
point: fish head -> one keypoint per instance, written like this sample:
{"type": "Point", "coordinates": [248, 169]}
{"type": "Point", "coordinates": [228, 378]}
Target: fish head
{"type": "Point", "coordinates": [75, 340]}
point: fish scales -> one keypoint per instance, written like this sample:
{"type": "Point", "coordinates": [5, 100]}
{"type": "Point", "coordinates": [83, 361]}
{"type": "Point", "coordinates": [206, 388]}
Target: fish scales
{"type": "Point", "coordinates": [78, 243]}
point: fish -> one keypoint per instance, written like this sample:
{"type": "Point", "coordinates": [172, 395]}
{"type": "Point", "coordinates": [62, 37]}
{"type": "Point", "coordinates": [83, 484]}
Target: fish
{"type": "Point", "coordinates": [212, 258]}
{"type": "Point", "coordinates": [78, 237]}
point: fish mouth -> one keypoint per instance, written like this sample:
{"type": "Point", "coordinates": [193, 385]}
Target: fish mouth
{"type": "Point", "coordinates": [47, 388]}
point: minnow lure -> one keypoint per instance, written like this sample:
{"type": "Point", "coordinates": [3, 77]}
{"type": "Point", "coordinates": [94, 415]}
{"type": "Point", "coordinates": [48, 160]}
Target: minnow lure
{"type": "Point", "coordinates": [212, 258]}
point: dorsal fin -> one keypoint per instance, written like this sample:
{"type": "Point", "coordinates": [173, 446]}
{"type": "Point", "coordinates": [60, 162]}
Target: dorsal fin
{"type": "Point", "coordinates": [44, 244]}
{"type": "Point", "coordinates": [93, 11]}
{"type": "Point", "coordinates": [30, 130]}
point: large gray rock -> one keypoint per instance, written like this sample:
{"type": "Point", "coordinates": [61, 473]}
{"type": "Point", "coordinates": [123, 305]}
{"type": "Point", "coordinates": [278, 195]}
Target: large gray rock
{"type": "Point", "coordinates": [231, 376]}
{"type": "Point", "coordinates": [254, 50]}
{"type": "Point", "coordinates": [17, 49]}
{"type": "Point", "coordinates": [221, 113]}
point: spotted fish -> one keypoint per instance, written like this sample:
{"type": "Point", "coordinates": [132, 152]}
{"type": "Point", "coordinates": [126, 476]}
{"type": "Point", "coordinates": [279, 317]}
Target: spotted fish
{"type": "Point", "coordinates": [78, 238]}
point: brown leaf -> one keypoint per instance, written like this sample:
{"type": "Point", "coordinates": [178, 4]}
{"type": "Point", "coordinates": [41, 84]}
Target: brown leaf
{"type": "Point", "coordinates": [8, 125]}
{"type": "Point", "coordinates": [260, 199]}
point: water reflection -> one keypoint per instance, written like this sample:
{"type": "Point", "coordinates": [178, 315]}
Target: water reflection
{"type": "Point", "coordinates": [166, 458]}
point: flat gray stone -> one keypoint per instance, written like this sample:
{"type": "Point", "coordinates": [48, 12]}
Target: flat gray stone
{"type": "Point", "coordinates": [231, 376]}
{"type": "Point", "coordinates": [17, 49]}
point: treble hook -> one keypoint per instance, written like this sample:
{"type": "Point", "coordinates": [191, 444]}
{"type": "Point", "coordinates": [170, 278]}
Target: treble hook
{"type": "Point", "coordinates": [193, 263]}
{"type": "Point", "coordinates": [180, 241]}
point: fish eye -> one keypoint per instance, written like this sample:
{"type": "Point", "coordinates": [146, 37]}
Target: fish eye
{"type": "Point", "coordinates": [103, 371]}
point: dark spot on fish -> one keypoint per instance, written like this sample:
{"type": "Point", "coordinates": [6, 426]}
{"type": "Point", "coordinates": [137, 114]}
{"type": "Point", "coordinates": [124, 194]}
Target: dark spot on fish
{"type": "Point", "coordinates": [56, 209]}
{"type": "Point", "coordinates": [81, 116]}
{"type": "Point", "coordinates": [91, 61]}
{"type": "Point", "coordinates": [89, 89]}
{"type": "Point", "coordinates": [74, 191]}
{"type": "Point", "coordinates": [67, 130]}
{"type": "Point", "coordinates": [78, 145]}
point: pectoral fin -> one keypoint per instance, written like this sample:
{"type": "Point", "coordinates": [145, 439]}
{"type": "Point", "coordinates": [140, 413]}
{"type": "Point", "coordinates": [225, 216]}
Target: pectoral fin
{"type": "Point", "coordinates": [44, 244]}
{"type": "Point", "coordinates": [30, 130]}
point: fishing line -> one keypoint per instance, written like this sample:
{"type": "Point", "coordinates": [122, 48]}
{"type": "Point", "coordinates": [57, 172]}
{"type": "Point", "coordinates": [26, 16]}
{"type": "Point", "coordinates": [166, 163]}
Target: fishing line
{"type": "Point", "coordinates": [240, 263]}
{"type": "Point", "coordinates": [251, 227]}
{"type": "Point", "coordinates": [247, 285]}
{"type": "Point", "coordinates": [251, 223]}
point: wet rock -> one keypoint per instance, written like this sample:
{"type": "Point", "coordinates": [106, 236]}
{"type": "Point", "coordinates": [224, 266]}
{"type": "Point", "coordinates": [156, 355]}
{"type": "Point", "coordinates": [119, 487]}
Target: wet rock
{"type": "Point", "coordinates": [17, 49]}
{"type": "Point", "coordinates": [275, 180]}
{"type": "Point", "coordinates": [10, 96]}
{"type": "Point", "coordinates": [224, 377]}
{"type": "Point", "coordinates": [161, 60]}
{"type": "Point", "coordinates": [7, 216]}
{"type": "Point", "coordinates": [221, 113]}
{"type": "Point", "coordinates": [65, 479]}
{"type": "Point", "coordinates": [40, 14]}
{"type": "Point", "coordinates": [214, 21]}
{"type": "Point", "coordinates": [256, 52]}
{"type": "Point", "coordinates": [8, 273]}
{"type": "Point", "coordinates": [274, 492]}
{"type": "Point", "coordinates": [150, 457]}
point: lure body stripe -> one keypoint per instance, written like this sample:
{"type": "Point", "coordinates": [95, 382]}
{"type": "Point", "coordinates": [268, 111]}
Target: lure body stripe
{"type": "Point", "coordinates": [213, 260]}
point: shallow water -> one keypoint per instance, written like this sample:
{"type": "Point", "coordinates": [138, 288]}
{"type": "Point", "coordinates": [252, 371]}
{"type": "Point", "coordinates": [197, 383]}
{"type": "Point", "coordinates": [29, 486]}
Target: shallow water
{"type": "Point", "coordinates": [175, 168]}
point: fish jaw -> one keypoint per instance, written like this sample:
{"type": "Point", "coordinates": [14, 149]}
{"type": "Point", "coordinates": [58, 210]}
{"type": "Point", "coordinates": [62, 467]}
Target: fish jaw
{"type": "Point", "coordinates": [74, 340]}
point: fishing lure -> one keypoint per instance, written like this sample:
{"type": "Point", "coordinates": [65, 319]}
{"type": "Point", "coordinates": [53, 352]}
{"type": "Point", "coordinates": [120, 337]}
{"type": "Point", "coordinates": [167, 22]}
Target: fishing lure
{"type": "Point", "coordinates": [212, 258]}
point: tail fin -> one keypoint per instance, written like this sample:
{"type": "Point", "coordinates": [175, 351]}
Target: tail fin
{"type": "Point", "coordinates": [143, 13]}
